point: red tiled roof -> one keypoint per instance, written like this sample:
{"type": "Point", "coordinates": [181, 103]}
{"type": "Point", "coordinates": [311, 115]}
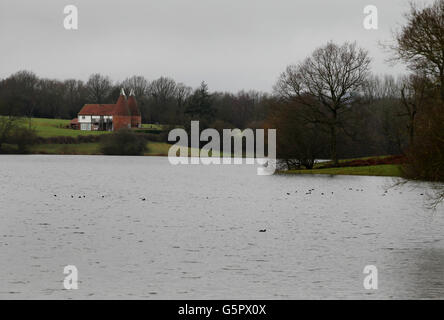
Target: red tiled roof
{"type": "Point", "coordinates": [75, 121]}
{"type": "Point", "coordinates": [121, 108]}
{"type": "Point", "coordinates": [132, 105]}
{"type": "Point", "coordinates": [98, 110]}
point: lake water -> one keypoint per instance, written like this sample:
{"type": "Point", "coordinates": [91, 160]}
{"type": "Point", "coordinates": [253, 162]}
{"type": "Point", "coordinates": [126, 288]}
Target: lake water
{"type": "Point", "coordinates": [196, 235]}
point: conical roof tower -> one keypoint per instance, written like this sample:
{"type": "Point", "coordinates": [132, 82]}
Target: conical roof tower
{"type": "Point", "coordinates": [122, 105]}
{"type": "Point", "coordinates": [132, 104]}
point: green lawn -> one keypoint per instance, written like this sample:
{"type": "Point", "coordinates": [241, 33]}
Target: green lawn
{"type": "Point", "coordinates": [153, 126]}
{"type": "Point", "coordinates": [47, 128]}
{"type": "Point", "coordinates": [387, 170]}
{"type": "Point", "coordinates": [321, 164]}
{"type": "Point", "coordinates": [158, 148]}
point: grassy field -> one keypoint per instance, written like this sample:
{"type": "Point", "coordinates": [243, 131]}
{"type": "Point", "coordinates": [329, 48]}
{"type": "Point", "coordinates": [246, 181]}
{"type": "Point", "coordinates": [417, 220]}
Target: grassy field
{"type": "Point", "coordinates": [386, 170]}
{"type": "Point", "coordinates": [352, 159]}
{"type": "Point", "coordinates": [47, 128]}
{"type": "Point", "coordinates": [153, 126]}
{"type": "Point", "coordinates": [320, 165]}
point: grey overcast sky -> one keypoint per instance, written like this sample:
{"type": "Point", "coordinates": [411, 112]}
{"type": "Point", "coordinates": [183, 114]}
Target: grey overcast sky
{"type": "Point", "coordinates": [231, 44]}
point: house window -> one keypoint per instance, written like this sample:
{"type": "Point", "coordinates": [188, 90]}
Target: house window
{"type": "Point", "coordinates": [85, 126]}
{"type": "Point", "coordinates": [83, 117]}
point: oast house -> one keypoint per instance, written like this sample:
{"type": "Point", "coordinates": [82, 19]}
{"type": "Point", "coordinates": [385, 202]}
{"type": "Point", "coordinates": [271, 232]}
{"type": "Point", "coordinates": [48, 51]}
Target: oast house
{"type": "Point", "coordinates": [110, 117]}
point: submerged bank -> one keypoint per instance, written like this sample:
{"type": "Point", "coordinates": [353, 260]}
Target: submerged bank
{"type": "Point", "coordinates": [386, 166]}
{"type": "Point", "coordinates": [154, 149]}
{"type": "Point", "coordinates": [385, 170]}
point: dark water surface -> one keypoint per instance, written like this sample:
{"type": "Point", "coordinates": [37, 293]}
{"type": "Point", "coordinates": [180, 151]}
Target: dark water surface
{"type": "Point", "coordinates": [196, 235]}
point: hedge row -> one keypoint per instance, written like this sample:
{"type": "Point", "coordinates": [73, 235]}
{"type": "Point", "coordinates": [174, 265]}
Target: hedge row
{"type": "Point", "coordinates": [69, 140]}
{"type": "Point", "coordinates": [162, 137]}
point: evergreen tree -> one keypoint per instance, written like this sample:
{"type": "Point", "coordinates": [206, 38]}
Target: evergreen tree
{"type": "Point", "coordinates": [200, 104]}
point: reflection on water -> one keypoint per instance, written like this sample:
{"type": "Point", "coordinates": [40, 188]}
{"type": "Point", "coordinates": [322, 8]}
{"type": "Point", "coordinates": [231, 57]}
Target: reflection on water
{"type": "Point", "coordinates": [137, 227]}
{"type": "Point", "coordinates": [420, 273]}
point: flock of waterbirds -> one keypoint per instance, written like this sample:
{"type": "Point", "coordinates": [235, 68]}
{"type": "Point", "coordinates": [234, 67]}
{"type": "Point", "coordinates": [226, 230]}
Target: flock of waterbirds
{"type": "Point", "coordinates": [308, 192]}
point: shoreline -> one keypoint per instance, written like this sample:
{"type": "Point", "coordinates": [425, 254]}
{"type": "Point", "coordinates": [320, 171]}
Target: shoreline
{"type": "Point", "coordinates": [389, 166]}
{"type": "Point", "coordinates": [381, 170]}
{"type": "Point", "coordinates": [385, 170]}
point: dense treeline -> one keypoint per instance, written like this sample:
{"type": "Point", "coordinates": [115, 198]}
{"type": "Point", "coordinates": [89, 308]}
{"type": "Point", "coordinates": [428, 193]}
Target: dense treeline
{"type": "Point", "coordinates": [161, 101]}
{"type": "Point", "coordinates": [373, 127]}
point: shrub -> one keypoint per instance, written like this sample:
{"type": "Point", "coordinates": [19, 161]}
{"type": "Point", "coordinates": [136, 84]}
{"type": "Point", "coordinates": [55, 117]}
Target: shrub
{"type": "Point", "coordinates": [24, 138]}
{"type": "Point", "coordinates": [123, 142]}
{"type": "Point", "coordinates": [425, 158]}
{"type": "Point", "coordinates": [69, 140]}
{"type": "Point", "coordinates": [88, 138]}
{"type": "Point", "coordinates": [14, 137]}
{"type": "Point", "coordinates": [298, 142]}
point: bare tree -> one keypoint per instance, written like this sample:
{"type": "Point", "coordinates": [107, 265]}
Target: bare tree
{"type": "Point", "coordinates": [183, 92]}
{"type": "Point", "coordinates": [327, 82]}
{"type": "Point", "coordinates": [22, 94]}
{"type": "Point", "coordinates": [299, 143]}
{"type": "Point", "coordinates": [99, 88]}
{"type": "Point", "coordinates": [162, 89]}
{"type": "Point", "coordinates": [162, 95]}
{"type": "Point", "coordinates": [384, 107]}
{"type": "Point", "coordinates": [51, 98]}
{"type": "Point", "coordinates": [139, 84]}
{"type": "Point", "coordinates": [74, 93]}
{"type": "Point", "coordinates": [413, 92]}
{"type": "Point", "coordinates": [420, 43]}
{"type": "Point", "coordinates": [380, 87]}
